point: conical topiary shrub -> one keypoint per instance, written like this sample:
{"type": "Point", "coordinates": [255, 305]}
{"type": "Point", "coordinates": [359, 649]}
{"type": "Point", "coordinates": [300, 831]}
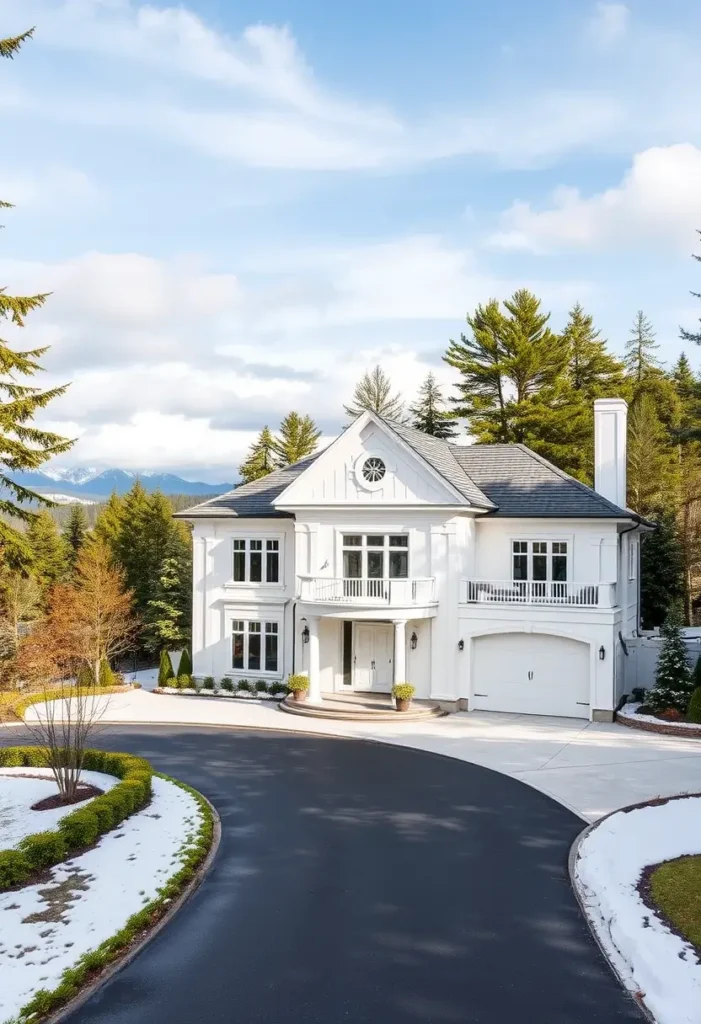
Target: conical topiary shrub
{"type": "Point", "coordinates": [185, 666]}
{"type": "Point", "coordinates": [85, 676]}
{"type": "Point", "coordinates": [693, 713]}
{"type": "Point", "coordinates": [165, 670]}
{"type": "Point", "coordinates": [673, 679]}
{"type": "Point", "coordinates": [106, 674]}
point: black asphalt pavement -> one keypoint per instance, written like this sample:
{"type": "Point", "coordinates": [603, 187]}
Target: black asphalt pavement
{"type": "Point", "coordinates": [358, 882]}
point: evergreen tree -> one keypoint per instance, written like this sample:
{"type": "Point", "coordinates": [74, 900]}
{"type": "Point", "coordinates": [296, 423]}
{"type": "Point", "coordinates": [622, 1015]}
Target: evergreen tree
{"type": "Point", "coordinates": [428, 412]}
{"type": "Point", "coordinates": [593, 371]}
{"type": "Point", "coordinates": [165, 669]}
{"type": "Point", "coordinates": [166, 623]}
{"type": "Point", "coordinates": [185, 666]}
{"type": "Point", "coordinates": [74, 531]}
{"type": "Point", "coordinates": [673, 679]}
{"type": "Point", "coordinates": [49, 554]}
{"type": "Point", "coordinates": [661, 570]}
{"type": "Point", "coordinates": [694, 336]}
{"type": "Point", "coordinates": [260, 459]}
{"type": "Point", "coordinates": [109, 522]}
{"type": "Point", "coordinates": [105, 674]}
{"type": "Point", "coordinates": [22, 446]}
{"type": "Point", "coordinates": [653, 469]}
{"type": "Point", "coordinates": [687, 386]}
{"type": "Point", "coordinates": [640, 356]}
{"type": "Point", "coordinates": [373, 393]}
{"type": "Point", "coordinates": [693, 712]}
{"type": "Point", "coordinates": [298, 438]}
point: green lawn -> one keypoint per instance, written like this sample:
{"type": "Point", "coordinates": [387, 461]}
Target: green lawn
{"type": "Point", "coordinates": [676, 889]}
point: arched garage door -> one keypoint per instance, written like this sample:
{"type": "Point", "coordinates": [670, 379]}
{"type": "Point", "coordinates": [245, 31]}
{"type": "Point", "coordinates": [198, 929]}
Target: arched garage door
{"type": "Point", "coordinates": [531, 673]}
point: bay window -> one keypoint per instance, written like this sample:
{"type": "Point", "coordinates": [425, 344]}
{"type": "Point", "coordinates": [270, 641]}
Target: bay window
{"type": "Point", "coordinates": [255, 645]}
{"type": "Point", "coordinates": [256, 560]}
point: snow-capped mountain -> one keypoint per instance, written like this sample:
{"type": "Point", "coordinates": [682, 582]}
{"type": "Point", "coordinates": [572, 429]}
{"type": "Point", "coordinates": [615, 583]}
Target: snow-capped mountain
{"type": "Point", "coordinates": [68, 499]}
{"type": "Point", "coordinates": [96, 484]}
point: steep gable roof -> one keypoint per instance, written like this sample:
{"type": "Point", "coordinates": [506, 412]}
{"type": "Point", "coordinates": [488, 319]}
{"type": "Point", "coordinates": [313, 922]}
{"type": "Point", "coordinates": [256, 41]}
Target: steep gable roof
{"type": "Point", "coordinates": [522, 483]}
{"type": "Point", "coordinates": [251, 501]}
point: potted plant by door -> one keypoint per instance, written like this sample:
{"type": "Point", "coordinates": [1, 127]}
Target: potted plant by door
{"type": "Point", "coordinates": [298, 686]}
{"type": "Point", "coordinates": [402, 693]}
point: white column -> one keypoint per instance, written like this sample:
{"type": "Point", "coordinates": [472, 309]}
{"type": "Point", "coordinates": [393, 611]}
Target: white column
{"type": "Point", "coordinates": [400, 650]}
{"type": "Point", "coordinates": [314, 668]}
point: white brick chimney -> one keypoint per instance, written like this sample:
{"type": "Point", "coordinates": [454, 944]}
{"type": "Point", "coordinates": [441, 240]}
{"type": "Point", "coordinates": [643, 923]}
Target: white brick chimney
{"type": "Point", "coordinates": [610, 449]}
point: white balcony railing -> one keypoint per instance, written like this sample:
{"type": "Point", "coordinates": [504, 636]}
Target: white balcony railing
{"type": "Point", "coordinates": [581, 595]}
{"type": "Point", "coordinates": [391, 592]}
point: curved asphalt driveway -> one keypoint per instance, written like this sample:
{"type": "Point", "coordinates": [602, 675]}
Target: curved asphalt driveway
{"type": "Point", "coordinates": [357, 882]}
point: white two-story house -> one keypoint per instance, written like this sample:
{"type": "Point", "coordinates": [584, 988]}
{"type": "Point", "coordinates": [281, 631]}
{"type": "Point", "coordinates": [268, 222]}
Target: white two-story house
{"type": "Point", "coordinates": [480, 573]}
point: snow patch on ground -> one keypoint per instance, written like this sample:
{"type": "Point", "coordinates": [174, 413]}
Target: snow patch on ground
{"type": "Point", "coordinates": [651, 959]}
{"type": "Point", "coordinates": [202, 692]}
{"type": "Point", "coordinates": [47, 927]}
{"type": "Point", "coordinates": [631, 711]}
{"type": "Point", "coordinates": [18, 794]}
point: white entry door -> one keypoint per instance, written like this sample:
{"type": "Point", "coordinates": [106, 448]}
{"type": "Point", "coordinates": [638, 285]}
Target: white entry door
{"type": "Point", "coordinates": [531, 673]}
{"type": "Point", "coordinates": [373, 644]}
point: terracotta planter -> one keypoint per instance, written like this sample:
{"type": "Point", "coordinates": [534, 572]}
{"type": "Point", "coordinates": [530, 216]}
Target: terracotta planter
{"type": "Point", "coordinates": [299, 695]}
{"type": "Point", "coordinates": [403, 704]}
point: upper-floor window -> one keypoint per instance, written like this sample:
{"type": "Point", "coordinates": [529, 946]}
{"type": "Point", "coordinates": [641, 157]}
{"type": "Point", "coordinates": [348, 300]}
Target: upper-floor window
{"type": "Point", "coordinates": [256, 560]}
{"type": "Point", "coordinates": [539, 560]}
{"type": "Point", "coordinates": [632, 560]}
{"type": "Point", "coordinates": [375, 556]}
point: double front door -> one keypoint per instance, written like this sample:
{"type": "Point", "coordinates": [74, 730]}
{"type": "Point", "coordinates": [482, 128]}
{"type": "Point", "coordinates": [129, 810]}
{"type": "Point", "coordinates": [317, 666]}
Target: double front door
{"type": "Point", "coordinates": [373, 644]}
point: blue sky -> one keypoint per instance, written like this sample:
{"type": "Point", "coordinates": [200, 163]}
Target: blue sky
{"type": "Point", "coordinates": [239, 207]}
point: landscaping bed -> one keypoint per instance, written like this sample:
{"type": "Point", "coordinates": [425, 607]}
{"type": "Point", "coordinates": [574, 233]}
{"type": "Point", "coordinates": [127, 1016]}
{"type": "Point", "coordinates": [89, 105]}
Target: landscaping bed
{"type": "Point", "coordinates": [637, 874]}
{"type": "Point", "coordinates": [20, 792]}
{"type": "Point", "coordinates": [75, 915]}
{"type": "Point", "coordinates": [629, 715]}
{"type": "Point", "coordinates": [202, 691]}
{"type": "Point", "coordinates": [14, 703]}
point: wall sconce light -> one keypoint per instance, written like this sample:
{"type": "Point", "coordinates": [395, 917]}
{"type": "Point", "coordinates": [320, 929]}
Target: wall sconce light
{"type": "Point", "coordinates": [305, 635]}
{"type": "Point", "coordinates": [602, 653]}
{"type": "Point", "coordinates": [413, 641]}
{"type": "Point", "coordinates": [461, 645]}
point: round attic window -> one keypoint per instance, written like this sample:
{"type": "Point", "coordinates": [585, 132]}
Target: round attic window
{"type": "Point", "coordinates": [373, 469]}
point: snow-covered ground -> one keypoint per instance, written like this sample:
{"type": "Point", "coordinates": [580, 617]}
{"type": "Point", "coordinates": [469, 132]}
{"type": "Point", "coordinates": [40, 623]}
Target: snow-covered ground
{"type": "Point", "coordinates": [47, 927]}
{"type": "Point", "coordinates": [238, 694]}
{"type": "Point", "coordinates": [18, 794]}
{"type": "Point", "coordinates": [650, 958]}
{"type": "Point", "coordinates": [631, 711]}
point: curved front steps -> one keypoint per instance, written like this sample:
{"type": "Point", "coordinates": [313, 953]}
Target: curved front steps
{"type": "Point", "coordinates": [361, 708]}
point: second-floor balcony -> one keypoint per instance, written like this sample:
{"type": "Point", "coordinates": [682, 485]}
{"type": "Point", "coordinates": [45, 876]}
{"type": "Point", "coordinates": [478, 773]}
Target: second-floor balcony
{"type": "Point", "coordinates": [398, 593]}
{"type": "Point", "coordinates": [538, 592]}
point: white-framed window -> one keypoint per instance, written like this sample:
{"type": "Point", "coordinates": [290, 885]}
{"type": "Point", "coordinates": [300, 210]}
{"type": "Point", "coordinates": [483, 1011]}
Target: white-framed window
{"type": "Point", "coordinates": [632, 559]}
{"type": "Point", "coordinates": [539, 560]}
{"type": "Point", "coordinates": [256, 560]}
{"type": "Point", "coordinates": [255, 646]}
{"type": "Point", "coordinates": [376, 556]}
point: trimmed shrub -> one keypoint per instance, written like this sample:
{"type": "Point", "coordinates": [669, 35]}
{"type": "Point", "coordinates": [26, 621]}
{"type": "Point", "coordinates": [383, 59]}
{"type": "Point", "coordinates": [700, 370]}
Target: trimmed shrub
{"type": "Point", "coordinates": [276, 688]}
{"type": "Point", "coordinates": [693, 713]}
{"type": "Point", "coordinates": [106, 676]}
{"type": "Point", "coordinates": [297, 683]}
{"type": "Point", "coordinates": [185, 666]}
{"type": "Point", "coordinates": [228, 685]}
{"type": "Point", "coordinates": [43, 849]}
{"type": "Point", "coordinates": [83, 826]}
{"type": "Point", "coordinates": [184, 682]}
{"type": "Point", "coordinates": [261, 686]}
{"type": "Point", "coordinates": [14, 868]}
{"type": "Point", "coordinates": [85, 677]}
{"type": "Point", "coordinates": [638, 694]}
{"type": "Point", "coordinates": [244, 685]}
{"type": "Point", "coordinates": [165, 669]}
{"type": "Point", "coordinates": [208, 683]}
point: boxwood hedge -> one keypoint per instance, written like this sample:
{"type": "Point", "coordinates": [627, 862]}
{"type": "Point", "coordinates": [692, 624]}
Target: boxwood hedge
{"type": "Point", "coordinates": [83, 826]}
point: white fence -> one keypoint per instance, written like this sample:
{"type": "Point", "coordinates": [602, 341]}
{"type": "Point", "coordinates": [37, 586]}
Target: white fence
{"type": "Point", "coordinates": [640, 664]}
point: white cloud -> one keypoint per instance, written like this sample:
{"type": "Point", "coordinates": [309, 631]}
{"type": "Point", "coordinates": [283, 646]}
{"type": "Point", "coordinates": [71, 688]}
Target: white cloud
{"type": "Point", "coordinates": [659, 200]}
{"type": "Point", "coordinates": [54, 187]}
{"type": "Point", "coordinates": [609, 24]}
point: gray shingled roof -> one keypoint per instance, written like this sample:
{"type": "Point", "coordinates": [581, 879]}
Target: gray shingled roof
{"type": "Point", "coordinates": [522, 483]}
{"type": "Point", "coordinates": [250, 501]}
{"type": "Point", "coordinates": [440, 457]}
{"type": "Point", "coordinates": [503, 479]}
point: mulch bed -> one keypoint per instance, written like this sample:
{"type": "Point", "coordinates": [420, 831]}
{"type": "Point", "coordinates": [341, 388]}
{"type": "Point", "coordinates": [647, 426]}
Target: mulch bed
{"type": "Point", "coordinates": [662, 727]}
{"type": "Point", "coordinates": [56, 800]}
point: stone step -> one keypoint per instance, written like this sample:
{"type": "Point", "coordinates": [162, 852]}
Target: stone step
{"type": "Point", "coordinates": [346, 712]}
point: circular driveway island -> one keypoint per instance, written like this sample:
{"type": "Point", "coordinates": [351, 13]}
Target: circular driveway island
{"type": "Point", "coordinates": [357, 882]}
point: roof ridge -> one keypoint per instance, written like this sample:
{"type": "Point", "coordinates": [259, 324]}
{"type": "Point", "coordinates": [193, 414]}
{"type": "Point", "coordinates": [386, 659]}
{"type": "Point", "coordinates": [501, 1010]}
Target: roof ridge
{"type": "Point", "coordinates": [567, 476]}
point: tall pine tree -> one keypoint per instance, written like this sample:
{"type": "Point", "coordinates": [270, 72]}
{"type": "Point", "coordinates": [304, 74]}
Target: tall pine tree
{"type": "Point", "coordinates": [49, 554]}
{"type": "Point", "coordinates": [661, 570]}
{"type": "Point", "coordinates": [652, 460]}
{"type": "Point", "coordinates": [22, 446]}
{"type": "Point", "coordinates": [167, 621]}
{"type": "Point", "coordinates": [298, 438]}
{"type": "Point", "coordinates": [640, 358]}
{"type": "Point", "coordinates": [260, 459]}
{"type": "Point", "coordinates": [109, 522]}
{"type": "Point", "coordinates": [429, 413]}
{"type": "Point", "coordinates": [74, 531]}
{"type": "Point", "coordinates": [373, 393]}
{"type": "Point", "coordinates": [694, 336]}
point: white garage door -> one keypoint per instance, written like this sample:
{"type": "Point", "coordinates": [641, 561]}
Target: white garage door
{"type": "Point", "coordinates": [531, 673]}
